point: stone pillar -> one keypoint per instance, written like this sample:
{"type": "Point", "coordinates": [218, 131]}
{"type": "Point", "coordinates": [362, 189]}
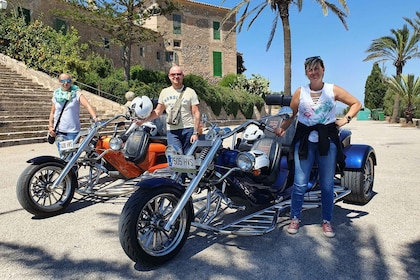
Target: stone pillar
{"type": "Point", "coordinates": [129, 95]}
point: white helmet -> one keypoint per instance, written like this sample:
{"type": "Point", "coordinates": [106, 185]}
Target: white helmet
{"type": "Point", "coordinates": [142, 106]}
{"type": "Point", "coordinates": [253, 132]}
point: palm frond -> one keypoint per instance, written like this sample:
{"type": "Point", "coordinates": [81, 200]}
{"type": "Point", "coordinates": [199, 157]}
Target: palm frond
{"type": "Point", "coordinates": [273, 31]}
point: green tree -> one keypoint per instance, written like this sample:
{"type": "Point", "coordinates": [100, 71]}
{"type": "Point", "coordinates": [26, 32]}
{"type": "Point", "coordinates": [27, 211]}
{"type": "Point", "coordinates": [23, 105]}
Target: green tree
{"type": "Point", "coordinates": [415, 23]}
{"type": "Point", "coordinates": [375, 88]}
{"type": "Point", "coordinates": [281, 9]}
{"type": "Point", "coordinates": [257, 84]}
{"type": "Point", "coordinates": [41, 47]}
{"type": "Point", "coordinates": [240, 67]}
{"type": "Point", "coordinates": [400, 47]}
{"type": "Point", "coordinates": [122, 19]}
{"type": "Point", "coordinates": [409, 89]}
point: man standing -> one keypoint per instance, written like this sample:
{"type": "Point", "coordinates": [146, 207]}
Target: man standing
{"type": "Point", "coordinates": [183, 134]}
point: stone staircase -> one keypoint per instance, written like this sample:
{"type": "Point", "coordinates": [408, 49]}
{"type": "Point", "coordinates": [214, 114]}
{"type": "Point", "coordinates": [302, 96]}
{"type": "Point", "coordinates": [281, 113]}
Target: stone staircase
{"type": "Point", "coordinates": [24, 109]}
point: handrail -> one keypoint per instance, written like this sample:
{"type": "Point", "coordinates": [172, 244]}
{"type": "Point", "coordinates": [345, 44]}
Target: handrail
{"type": "Point", "coordinates": [96, 91]}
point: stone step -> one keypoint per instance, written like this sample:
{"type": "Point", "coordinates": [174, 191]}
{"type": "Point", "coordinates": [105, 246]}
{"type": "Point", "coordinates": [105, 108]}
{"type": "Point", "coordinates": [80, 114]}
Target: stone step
{"type": "Point", "coordinates": [32, 125]}
{"type": "Point", "coordinates": [40, 134]}
{"type": "Point", "coordinates": [32, 138]}
{"type": "Point", "coordinates": [26, 141]}
{"type": "Point", "coordinates": [23, 134]}
{"type": "Point", "coordinates": [5, 91]}
{"type": "Point", "coordinates": [24, 110]}
{"type": "Point", "coordinates": [15, 114]}
{"type": "Point", "coordinates": [7, 81]}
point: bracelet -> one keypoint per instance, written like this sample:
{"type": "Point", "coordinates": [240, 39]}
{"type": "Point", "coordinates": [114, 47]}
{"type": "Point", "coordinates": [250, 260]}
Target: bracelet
{"type": "Point", "coordinates": [349, 118]}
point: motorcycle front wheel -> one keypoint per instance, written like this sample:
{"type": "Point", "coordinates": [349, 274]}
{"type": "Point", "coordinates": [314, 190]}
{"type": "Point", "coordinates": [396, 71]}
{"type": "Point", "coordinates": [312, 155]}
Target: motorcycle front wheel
{"type": "Point", "coordinates": [35, 193]}
{"type": "Point", "coordinates": [141, 226]}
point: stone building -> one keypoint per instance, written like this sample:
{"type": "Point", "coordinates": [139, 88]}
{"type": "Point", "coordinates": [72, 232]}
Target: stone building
{"type": "Point", "coordinates": [192, 37]}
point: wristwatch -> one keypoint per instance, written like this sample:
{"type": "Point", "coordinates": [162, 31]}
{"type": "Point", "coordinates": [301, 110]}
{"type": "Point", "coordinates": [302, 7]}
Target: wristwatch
{"type": "Point", "coordinates": [195, 133]}
{"type": "Point", "coordinates": [349, 118]}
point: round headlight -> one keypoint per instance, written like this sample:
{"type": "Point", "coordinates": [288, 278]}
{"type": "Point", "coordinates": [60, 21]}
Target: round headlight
{"type": "Point", "coordinates": [115, 143]}
{"type": "Point", "coordinates": [245, 161]}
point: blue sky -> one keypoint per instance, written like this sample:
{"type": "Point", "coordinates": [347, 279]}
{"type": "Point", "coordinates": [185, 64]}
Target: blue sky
{"type": "Point", "coordinates": [314, 34]}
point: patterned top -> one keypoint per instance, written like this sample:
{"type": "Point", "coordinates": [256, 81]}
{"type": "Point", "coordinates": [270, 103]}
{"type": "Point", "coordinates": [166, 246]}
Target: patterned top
{"type": "Point", "coordinates": [320, 112]}
{"type": "Point", "coordinates": [70, 120]}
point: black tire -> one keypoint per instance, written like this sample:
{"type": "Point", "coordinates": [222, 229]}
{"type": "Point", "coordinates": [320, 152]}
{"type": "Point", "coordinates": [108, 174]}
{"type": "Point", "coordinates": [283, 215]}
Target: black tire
{"type": "Point", "coordinates": [142, 221]}
{"type": "Point", "coordinates": [34, 191]}
{"type": "Point", "coordinates": [360, 182]}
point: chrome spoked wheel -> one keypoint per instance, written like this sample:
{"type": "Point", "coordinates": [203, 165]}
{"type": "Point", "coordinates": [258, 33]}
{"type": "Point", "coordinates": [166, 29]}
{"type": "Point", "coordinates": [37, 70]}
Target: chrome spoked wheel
{"type": "Point", "coordinates": [36, 193]}
{"type": "Point", "coordinates": [142, 233]}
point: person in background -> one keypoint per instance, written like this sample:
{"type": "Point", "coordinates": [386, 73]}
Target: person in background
{"type": "Point", "coordinates": [69, 125]}
{"type": "Point", "coordinates": [186, 131]}
{"type": "Point", "coordinates": [316, 140]}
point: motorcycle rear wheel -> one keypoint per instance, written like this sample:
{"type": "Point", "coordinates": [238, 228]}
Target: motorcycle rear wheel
{"type": "Point", "coordinates": [34, 190]}
{"type": "Point", "coordinates": [141, 226]}
{"type": "Point", "coordinates": [360, 182]}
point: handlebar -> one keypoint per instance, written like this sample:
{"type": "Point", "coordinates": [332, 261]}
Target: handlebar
{"type": "Point", "coordinates": [243, 126]}
{"type": "Point", "coordinates": [102, 124]}
{"type": "Point", "coordinates": [278, 99]}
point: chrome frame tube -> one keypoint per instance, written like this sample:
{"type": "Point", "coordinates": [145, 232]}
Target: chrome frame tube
{"type": "Point", "coordinates": [194, 182]}
{"type": "Point", "coordinates": [81, 148]}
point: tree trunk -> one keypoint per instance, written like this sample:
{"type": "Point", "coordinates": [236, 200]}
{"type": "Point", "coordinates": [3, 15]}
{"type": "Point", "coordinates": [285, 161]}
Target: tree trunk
{"type": "Point", "coordinates": [396, 109]}
{"type": "Point", "coordinates": [287, 45]}
{"type": "Point", "coordinates": [127, 61]}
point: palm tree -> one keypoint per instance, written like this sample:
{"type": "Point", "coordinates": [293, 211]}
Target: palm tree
{"type": "Point", "coordinates": [398, 48]}
{"type": "Point", "coordinates": [409, 89]}
{"type": "Point", "coordinates": [415, 23]}
{"type": "Point", "coordinates": [281, 9]}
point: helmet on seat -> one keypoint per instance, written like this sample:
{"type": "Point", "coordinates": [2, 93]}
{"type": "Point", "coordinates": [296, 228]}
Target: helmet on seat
{"type": "Point", "coordinates": [142, 106]}
{"type": "Point", "coordinates": [252, 133]}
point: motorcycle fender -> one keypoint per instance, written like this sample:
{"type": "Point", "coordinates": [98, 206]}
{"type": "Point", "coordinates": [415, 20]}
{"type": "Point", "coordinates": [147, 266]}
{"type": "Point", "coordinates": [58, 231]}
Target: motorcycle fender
{"type": "Point", "coordinates": [356, 156]}
{"type": "Point", "coordinates": [43, 159]}
{"type": "Point", "coordinates": [159, 182]}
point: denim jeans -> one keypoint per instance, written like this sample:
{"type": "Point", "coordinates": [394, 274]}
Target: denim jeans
{"type": "Point", "coordinates": [63, 137]}
{"type": "Point", "coordinates": [326, 172]}
{"type": "Point", "coordinates": [180, 138]}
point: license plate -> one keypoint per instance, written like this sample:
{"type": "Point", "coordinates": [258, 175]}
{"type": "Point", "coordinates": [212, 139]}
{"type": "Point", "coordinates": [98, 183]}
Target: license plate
{"type": "Point", "coordinates": [182, 163]}
{"type": "Point", "coordinates": [66, 145]}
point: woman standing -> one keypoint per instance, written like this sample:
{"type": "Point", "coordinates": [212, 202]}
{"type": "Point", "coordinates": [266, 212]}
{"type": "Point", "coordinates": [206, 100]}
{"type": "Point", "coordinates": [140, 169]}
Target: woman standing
{"type": "Point", "coordinates": [316, 139]}
{"type": "Point", "coordinates": [66, 102]}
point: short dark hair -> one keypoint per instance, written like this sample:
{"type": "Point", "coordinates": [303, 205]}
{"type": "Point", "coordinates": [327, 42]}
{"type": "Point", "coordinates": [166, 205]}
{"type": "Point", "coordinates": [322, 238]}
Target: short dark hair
{"type": "Point", "coordinates": [311, 61]}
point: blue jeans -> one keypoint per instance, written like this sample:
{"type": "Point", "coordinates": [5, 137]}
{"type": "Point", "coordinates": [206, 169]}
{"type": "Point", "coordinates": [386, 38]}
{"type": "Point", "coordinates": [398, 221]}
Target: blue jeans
{"type": "Point", "coordinates": [326, 172]}
{"type": "Point", "coordinates": [180, 138]}
{"type": "Point", "coordinates": [63, 137]}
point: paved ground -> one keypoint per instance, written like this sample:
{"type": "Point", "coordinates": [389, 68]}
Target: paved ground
{"type": "Point", "coordinates": [380, 240]}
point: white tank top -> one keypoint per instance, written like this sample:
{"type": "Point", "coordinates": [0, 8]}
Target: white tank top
{"type": "Point", "coordinates": [322, 112]}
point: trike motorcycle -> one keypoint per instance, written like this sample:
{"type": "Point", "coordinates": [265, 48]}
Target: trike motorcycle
{"type": "Point", "coordinates": [92, 165]}
{"type": "Point", "coordinates": [238, 190]}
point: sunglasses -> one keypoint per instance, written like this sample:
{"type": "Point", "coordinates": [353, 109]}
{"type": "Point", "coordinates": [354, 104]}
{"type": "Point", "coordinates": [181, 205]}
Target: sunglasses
{"type": "Point", "coordinates": [312, 58]}
{"type": "Point", "coordinates": [65, 81]}
{"type": "Point", "coordinates": [175, 74]}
